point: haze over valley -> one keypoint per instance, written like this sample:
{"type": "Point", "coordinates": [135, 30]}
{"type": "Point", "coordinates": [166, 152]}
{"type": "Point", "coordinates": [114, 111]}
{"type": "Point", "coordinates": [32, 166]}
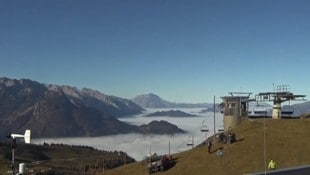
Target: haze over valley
{"type": "Point", "coordinates": [53, 114]}
{"type": "Point", "coordinates": [140, 145]}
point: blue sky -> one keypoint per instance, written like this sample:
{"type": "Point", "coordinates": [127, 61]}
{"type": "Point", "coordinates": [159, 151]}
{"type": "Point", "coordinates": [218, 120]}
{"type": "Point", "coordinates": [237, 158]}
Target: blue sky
{"type": "Point", "coordinates": [183, 51]}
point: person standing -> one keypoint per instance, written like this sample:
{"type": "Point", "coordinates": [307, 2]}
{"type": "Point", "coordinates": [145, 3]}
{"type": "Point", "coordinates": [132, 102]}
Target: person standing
{"type": "Point", "coordinates": [272, 165]}
{"type": "Point", "coordinates": [209, 146]}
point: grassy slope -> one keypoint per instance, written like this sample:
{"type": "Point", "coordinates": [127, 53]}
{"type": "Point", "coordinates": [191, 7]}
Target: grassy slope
{"type": "Point", "coordinates": [287, 142]}
{"type": "Point", "coordinates": [62, 158]}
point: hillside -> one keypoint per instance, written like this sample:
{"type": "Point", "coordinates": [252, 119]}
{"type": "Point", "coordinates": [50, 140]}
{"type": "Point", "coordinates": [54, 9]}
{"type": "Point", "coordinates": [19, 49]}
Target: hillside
{"type": "Point", "coordinates": [160, 127]}
{"type": "Point", "coordinates": [61, 159]}
{"type": "Point", "coordinates": [154, 101]}
{"type": "Point", "coordinates": [287, 142]}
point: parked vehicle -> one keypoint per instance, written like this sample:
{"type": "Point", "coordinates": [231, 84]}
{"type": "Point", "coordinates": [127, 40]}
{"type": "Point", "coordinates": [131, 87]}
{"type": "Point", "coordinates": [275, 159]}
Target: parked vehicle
{"type": "Point", "coordinates": [157, 163]}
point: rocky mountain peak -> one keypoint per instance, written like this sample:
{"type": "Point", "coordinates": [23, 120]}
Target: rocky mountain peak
{"type": "Point", "coordinates": [71, 91]}
{"type": "Point", "coordinates": [154, 101]}
{"type": "Point", "coordinates": [150, 101]}
{"type": "Point", "coordinates": [53, 110]}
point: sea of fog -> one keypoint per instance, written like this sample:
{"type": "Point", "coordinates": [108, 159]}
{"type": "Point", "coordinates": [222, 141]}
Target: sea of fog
{"type": "Point", "coordinates": [140, 145]}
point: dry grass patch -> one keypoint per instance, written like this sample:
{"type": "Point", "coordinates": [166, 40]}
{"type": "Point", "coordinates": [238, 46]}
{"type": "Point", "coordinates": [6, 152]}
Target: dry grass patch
{"type": "Point", "coordinates": [287, 142]}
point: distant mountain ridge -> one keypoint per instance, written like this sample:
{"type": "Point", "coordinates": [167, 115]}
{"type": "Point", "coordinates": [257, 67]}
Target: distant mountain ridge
{"type": "Point", "coordinates": [114, 106]}
{"type": "Point", "coordinates": [154, 101]}
{"type": "Point", "coordinates": [61, 111]}
{"type": "Point", "coordinates": [301, 108]}
{"type": "Point", "coordinates": [160, 127]}
{"type": "Point", "coordinates": [171, 113]}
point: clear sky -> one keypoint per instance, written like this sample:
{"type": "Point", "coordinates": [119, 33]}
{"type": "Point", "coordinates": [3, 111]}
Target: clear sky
{"type": "Point", "coordinates": [181, 50]}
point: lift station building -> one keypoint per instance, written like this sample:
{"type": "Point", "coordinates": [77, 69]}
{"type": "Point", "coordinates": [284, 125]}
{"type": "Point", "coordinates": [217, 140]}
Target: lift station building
{"type": "Point", "coordinates": [235, 108]}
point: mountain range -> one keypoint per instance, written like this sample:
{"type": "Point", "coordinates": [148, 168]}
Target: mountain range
{"type": "Point", "coordinates": [154, 101]}
{"type": "Point", "coordinates": [301, 108]}
{"type": "Point", "coordinates": [62, 111]}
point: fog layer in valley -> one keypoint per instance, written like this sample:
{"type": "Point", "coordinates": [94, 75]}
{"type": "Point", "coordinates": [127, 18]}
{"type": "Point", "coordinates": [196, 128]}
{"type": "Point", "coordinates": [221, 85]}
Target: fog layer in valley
{"type": "Point", "coordinates": [139, 145]}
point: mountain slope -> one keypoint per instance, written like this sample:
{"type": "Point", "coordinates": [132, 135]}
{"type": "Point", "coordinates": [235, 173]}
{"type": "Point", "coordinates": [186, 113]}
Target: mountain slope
{"type": "Point", "coordinates": [61, 111]}
{"type": "Point", "coordinates": [150, 101]}
{"type": "Point", "coordinates": [154, 101]}
{"type": "Point", "coordinates": [27, 104]}
{"type": "Point", "coordinates": [111, 105]}
{"type": "Point", "coordinates": [301, 108]}
{"type": "Point", "coordinates": [287, 142]}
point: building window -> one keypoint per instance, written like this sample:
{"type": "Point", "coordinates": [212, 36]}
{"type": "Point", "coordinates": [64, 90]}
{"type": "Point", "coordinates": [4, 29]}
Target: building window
{"type": "Point", "coordinates": [231, 105]}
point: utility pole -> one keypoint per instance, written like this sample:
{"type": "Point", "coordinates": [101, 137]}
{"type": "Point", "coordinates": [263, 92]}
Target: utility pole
{"type": "Point", "coordinates": [103, 166]}
{"type": "Point", "coordinates": [125, 162]}
{"type": "Point", "coordinates": [169, 147]}
{"type": "Point", "coordinates": [214, 116]}
{"type": "Point", "coordinates": [192, 141]}
{"type": "Point", "coordinates": [13, 151]}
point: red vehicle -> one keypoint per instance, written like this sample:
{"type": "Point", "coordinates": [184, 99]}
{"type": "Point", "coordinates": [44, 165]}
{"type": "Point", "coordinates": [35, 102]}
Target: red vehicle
{"type": "Point", "coordinates": [157, 163]}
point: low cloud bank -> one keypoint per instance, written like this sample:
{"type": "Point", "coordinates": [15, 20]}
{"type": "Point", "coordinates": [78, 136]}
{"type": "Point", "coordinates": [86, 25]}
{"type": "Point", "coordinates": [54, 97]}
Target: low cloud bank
{"type": "Point", "coordinates": [139, 145]}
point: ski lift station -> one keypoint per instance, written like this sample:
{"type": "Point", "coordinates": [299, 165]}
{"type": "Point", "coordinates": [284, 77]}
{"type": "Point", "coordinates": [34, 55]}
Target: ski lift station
{"type": "Point", "coordinates": [236, 105]}
{"type": "Point", "coordinates": [279, 95]}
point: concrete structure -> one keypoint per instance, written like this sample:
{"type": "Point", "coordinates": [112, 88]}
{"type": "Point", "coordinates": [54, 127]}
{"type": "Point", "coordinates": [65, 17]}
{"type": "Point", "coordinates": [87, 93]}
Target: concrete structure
{"type": "Point", "coordinates": [235, 108]}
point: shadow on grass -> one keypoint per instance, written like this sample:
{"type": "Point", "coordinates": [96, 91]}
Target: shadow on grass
{"type": "Point", "coordinates": [171, 163]}
{"type": "Point", "coordinates": [218, 148]}
{"type": "Point", "coordinates": [239, 140]}
{"type": "Point", "coordinates": [221, 147]}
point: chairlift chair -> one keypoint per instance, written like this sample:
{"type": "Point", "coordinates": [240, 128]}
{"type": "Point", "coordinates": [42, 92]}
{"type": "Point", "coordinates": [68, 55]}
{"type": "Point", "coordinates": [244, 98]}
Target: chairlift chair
{"type": "Point", "coordinates": [287, 109]}
{"type": "Point", "coordinates": [220, 130]}
{"type": "Point", "coordinates": [189, 144]}
{"type": "Point", "coordinates": [190, 141]}
{"type": "Point", "coordinates": [204, 129]}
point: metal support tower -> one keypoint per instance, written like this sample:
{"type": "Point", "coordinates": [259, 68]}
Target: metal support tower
{"type": "Point", "coordinates": [279, 95]}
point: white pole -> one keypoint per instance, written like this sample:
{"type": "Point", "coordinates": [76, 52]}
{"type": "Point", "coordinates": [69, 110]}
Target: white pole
{"type": "Point", "coordinates": [265, 142]}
